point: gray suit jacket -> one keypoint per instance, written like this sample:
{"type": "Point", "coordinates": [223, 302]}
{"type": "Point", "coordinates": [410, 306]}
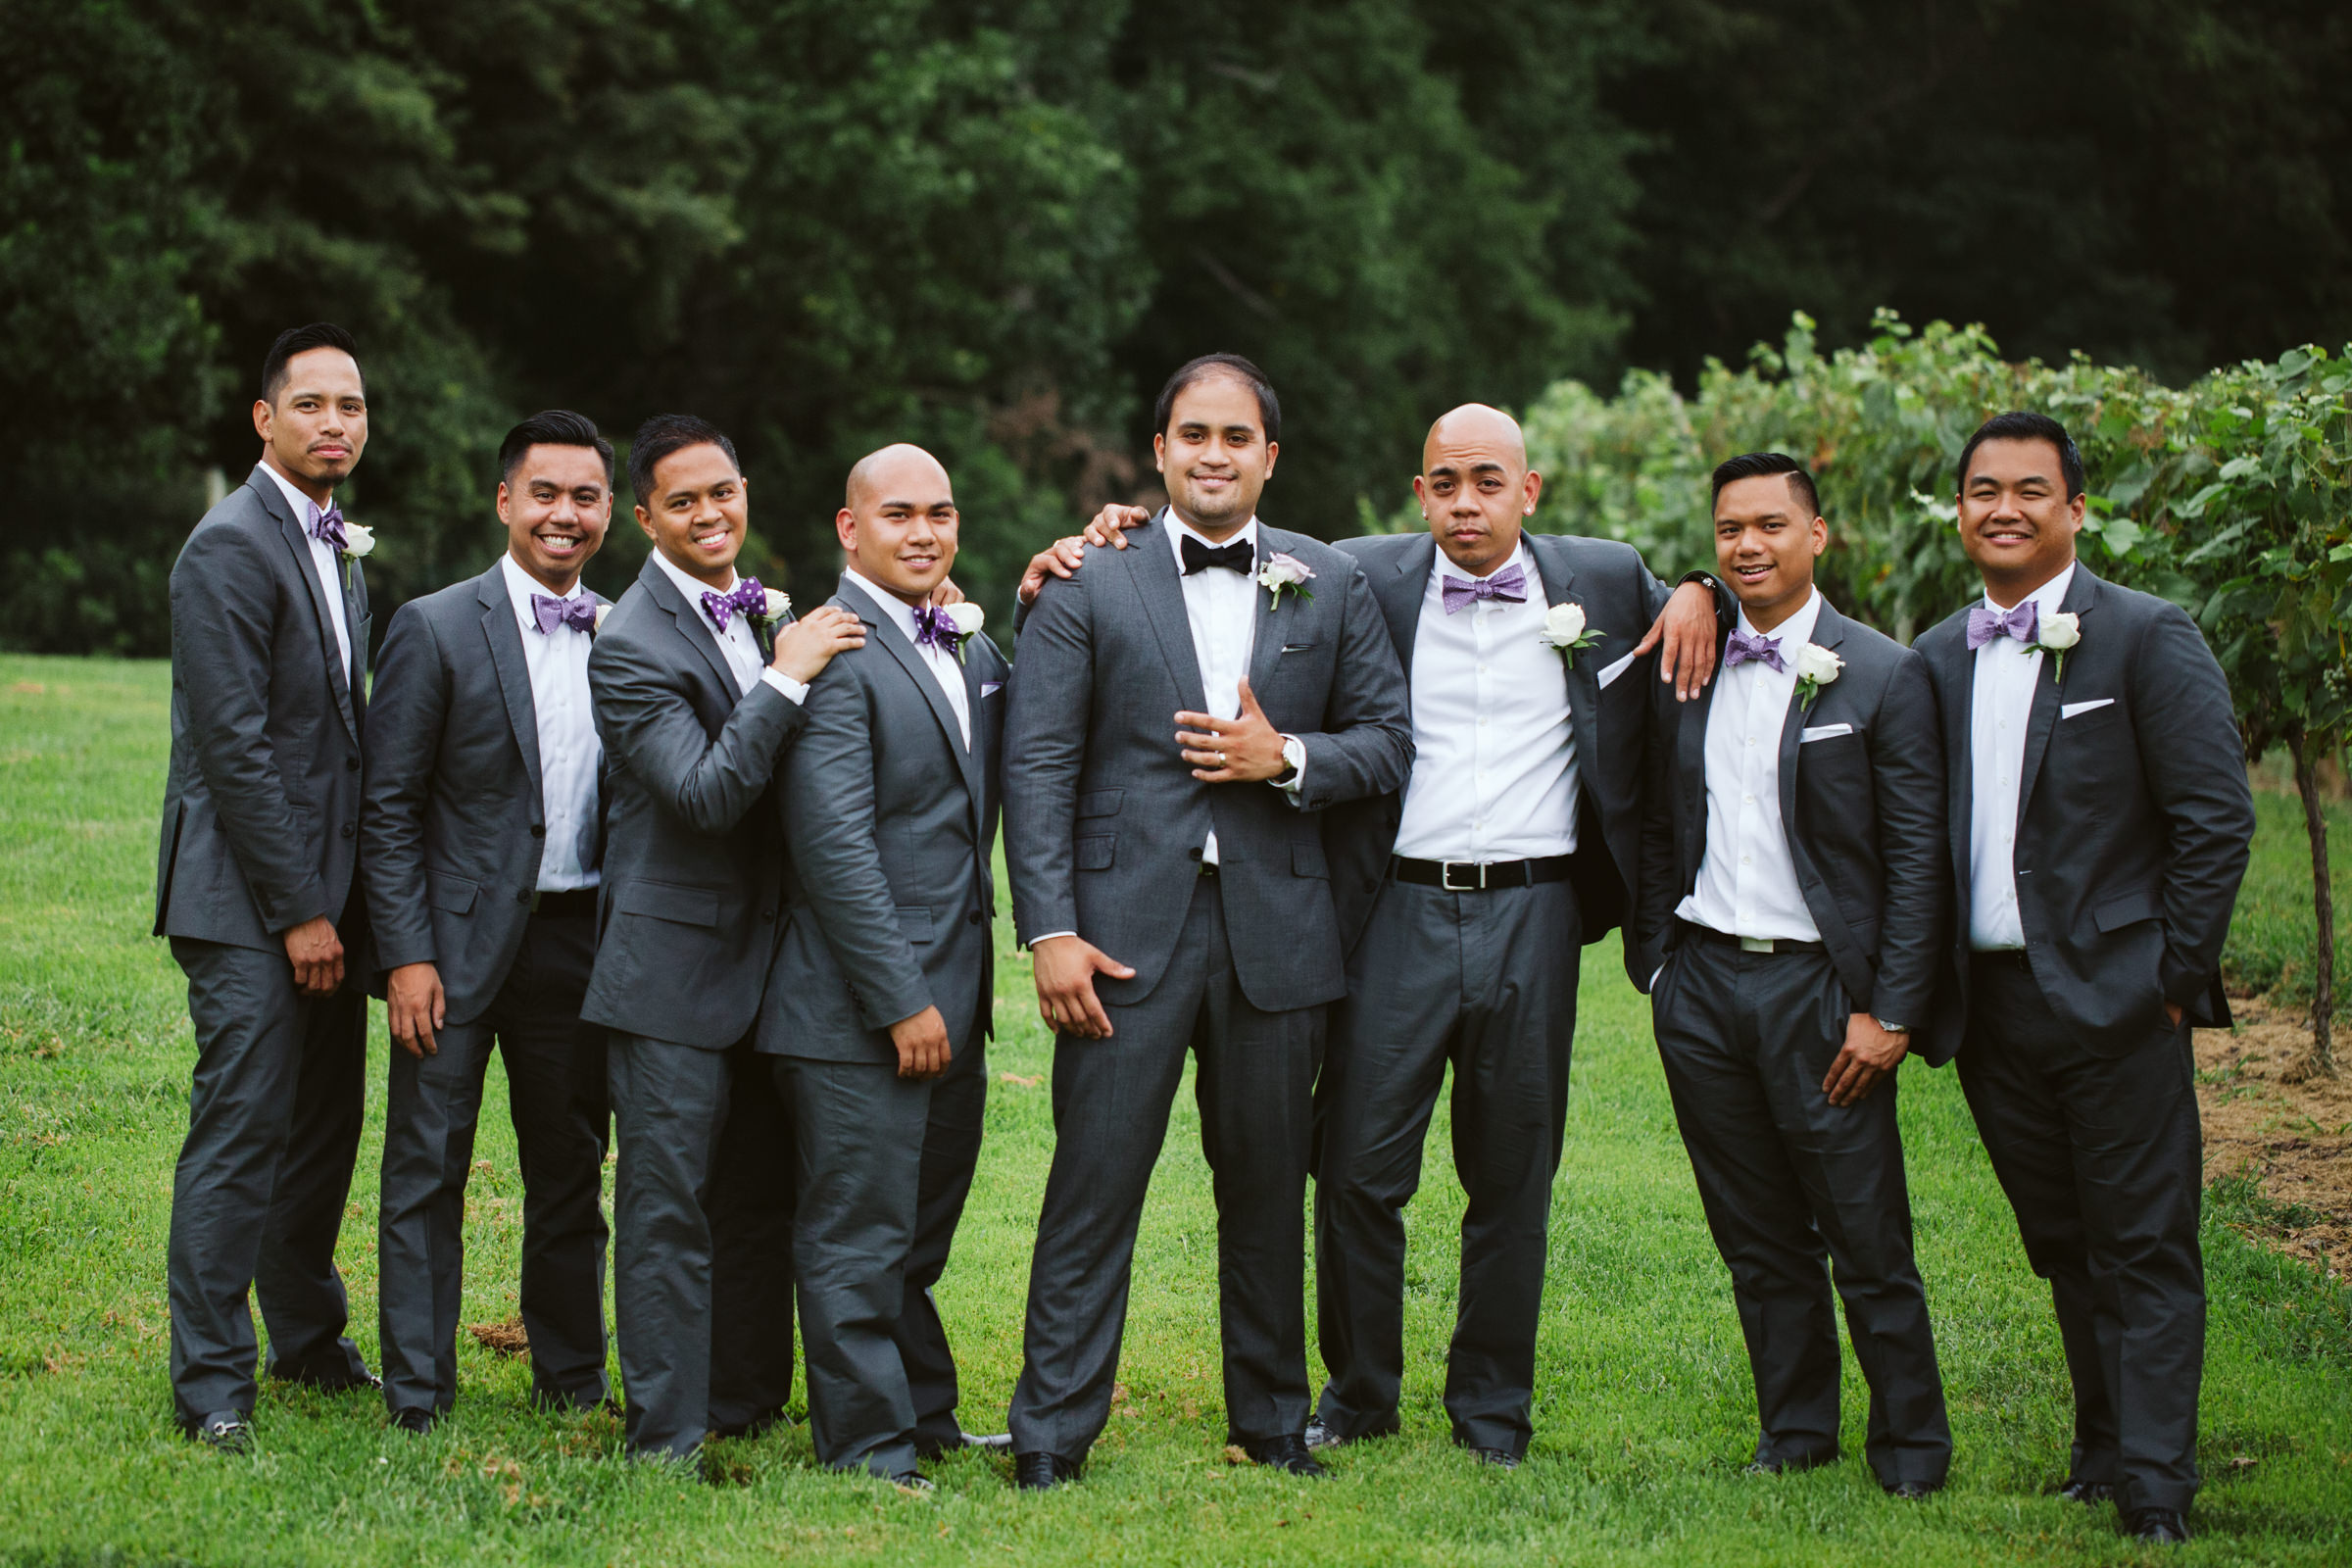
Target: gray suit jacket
{"type": "Point", "coordinates": [694, 862]}
{"type": "Point", "coordinates": [261, 804]}
{"type": "Point", "coordinates": [1619, 600]}
{"type": "Point", "coordinates": [2134, 820]}
{"type": "Point", "coordinates": [891, 821]}
{"type": "Point", "coordinates": [1864, 816]}
{"type": "Point", "coordinates": [1104, 820]}
{"type": "Point", "coordinates": [453, 822]}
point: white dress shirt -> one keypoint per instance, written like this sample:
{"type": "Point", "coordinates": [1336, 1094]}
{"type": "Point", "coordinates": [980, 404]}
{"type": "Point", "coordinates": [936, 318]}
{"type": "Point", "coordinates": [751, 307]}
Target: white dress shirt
{"type": "Point", "coordinates": [1746, 883]}
{"type": "Point", "coordinates": [570, 748]}
{"type": "Point", "coordinates": [2000, 712]}
{"type": "Point", "coordinates": [323, 561]}
{"type": "Point", "coordinates": [1493, 774]}
{"type": "Point", "coordinates": [735, 640]}
{"type": "Point", "coordinates": [1221, 607]}
{"type": "Point", "coordinates": [944, 665]}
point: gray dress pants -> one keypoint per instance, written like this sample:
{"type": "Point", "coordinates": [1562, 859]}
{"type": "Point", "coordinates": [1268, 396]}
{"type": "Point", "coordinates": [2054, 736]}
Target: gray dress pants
{"type": "Point", "coordinates": [951, 1155]}
{"type": "Point", "coordinates": [256, 1199]}
{"type": "Point", "coordinates": [2102, 1158]}
{"type": "Point", "coordinates": [556, 1096]}
{"type": "Point", "coordinates": [1786, 1180]}
{"type": "Point", "coordinates": [1112, 1097]}
{"type": "Point", "coordinates": [1486, 982]}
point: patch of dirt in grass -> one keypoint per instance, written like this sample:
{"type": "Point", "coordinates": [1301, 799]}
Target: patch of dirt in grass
{"type": "Point", "coordinates": [506, 1337]}
{"type": "Point", "coordinates": [2289, 1134]}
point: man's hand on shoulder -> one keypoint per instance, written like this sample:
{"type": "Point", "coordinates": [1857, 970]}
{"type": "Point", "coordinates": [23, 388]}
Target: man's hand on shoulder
{"type": "Point", "coordinates": [315, 951]}
{"type": "Point", "coordinates": [805, 647]}
{"type": "Point", "coordinates": [1688, 629]}
{"type": "Point", "coordinates": [1065, 968]}
{"type": "Point", "coordinates": [1065, 556]}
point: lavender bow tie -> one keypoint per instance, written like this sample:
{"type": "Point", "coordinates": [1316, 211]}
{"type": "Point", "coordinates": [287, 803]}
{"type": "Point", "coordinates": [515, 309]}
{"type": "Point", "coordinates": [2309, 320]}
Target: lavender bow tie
{"type": "Point", "coordinates": [328, 525]}
{"type": "Point", "coordinates": [746, 599]}
{"type": "Point", "coordinates": [551, 614]}
{"type": "Point", "coordinates": [1756, 648]}
{"type": "Point", "coordinates": [934, 625]}
{"type": "Point", "coordinates": [1510, 584]}
{"type": "Point", "coordinates": [1984, 625]}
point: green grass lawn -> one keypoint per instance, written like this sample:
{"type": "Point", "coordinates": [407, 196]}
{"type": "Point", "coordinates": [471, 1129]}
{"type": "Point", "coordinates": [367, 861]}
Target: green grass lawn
{"type": "Point", "coordinates": [1644, 1412]}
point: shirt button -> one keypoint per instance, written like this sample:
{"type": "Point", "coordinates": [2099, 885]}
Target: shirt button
{"type": "Point", "coordinates": [1749, 799]}
{"type": "Point", "coordinates": [1481, 724]}
{"type": "Point", "coordinates": [1744, 861]}
{"type": "Point", "coordinates": [1751, 740]}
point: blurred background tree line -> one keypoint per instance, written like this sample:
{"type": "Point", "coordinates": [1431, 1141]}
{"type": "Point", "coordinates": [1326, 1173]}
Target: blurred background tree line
{"type": "Point", "coordinates": [992, 227]}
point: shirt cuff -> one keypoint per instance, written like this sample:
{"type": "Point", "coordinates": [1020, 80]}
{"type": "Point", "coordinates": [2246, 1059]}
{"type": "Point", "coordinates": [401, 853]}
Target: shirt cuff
{"type": "Point", "coordinates": [1653, 988]}
{"type": "Point", "coordinates": [1294, 753]}
{"type": "Point", "coordinates": [1050, 936]}
{"type": "Point", "coordinates": [795, 692]}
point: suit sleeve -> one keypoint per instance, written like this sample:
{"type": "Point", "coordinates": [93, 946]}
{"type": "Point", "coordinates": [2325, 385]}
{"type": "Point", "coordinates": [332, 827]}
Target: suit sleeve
{"type": "Point", "coordinates": [828, 806]}
{"type": "Point", "coordinates": [1906, 767]}
{"type": "Point", "coordinates": [1658, 888]}
{"type": "Point", "coordinates": [647, 720]}
{"type": "Point", "coordinates": [2195, 766]}
{"type": "Point", "coordinates": [407, 711]}
{"type": "Point", "coordinates": [224, 625]}
{"type": "Point", "coordinates": [1050, 693]}
{"type": "Point", "coordinates": [1365, 747]}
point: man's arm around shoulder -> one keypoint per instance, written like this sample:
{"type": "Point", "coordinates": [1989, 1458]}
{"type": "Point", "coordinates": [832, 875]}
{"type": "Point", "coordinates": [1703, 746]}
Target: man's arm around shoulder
{"type": "Point", "coordinates": [1366, 745]}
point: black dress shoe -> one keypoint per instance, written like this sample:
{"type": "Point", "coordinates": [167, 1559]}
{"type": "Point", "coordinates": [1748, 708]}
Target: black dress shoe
{"type": "Point", "coordinates": [2163, 1525]}
{"type": "Point", "coordinates": [913, 1480]}
{"type": "Point", "coordinates": [333, 1382]}
{"type": "Point", "coordinates": [1500, 1458]}
{"type": "Point", "coordinates": [1286, 1453]}
{"type": "Point", "coordinates": [413, 1420]}
{"type": "Point", "coordinates": [1319, 1436]}
{"type": "Point", "coordinates": [1914, 1491]}
{"type": "Point", "coordinates": [2086, 1493]}
{"type": "Point", "coordinates": [224, 1431]}
{"type": "Point", "coordinates": [1790, 1468]}
{"type": "Point", "coordinates": [1040, 1471]}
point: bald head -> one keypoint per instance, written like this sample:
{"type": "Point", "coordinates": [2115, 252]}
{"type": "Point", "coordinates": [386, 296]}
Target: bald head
{"type": "Point", "coordinates": [899, 524]}
{"type": "Point", "coordinates": [1475, 488]}
{"type": "Point", "coordinates": [899, 469]}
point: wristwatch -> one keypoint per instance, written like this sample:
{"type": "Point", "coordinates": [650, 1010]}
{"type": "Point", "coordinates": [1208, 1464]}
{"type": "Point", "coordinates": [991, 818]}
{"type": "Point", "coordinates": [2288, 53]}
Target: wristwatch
{"type": "Point", "coordinates": [1294, 757]}
{"type": "Point", "coordinates": [1891, 1028]}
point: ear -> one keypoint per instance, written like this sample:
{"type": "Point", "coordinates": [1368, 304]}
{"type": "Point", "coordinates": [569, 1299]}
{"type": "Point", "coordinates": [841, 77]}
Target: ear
{"type": "Point", "coordinates": [844, 529]}
{"type": "Point", "coordinates": [645, 521]}
{"type": "Point", "coordinates": [1535, 493]}
{"type": "Point", "coordinates": [502, 498]}
{"type": "Point", "coordinates": [1160, 453]}
{"type": "Point", "coordinates": [1273, 450]}
{"type": "Point", "coordinates": [262, 417]}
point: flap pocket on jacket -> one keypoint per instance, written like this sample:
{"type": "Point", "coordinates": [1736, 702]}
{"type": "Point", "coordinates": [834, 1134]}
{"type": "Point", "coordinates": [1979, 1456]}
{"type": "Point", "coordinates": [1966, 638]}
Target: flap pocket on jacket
{"type": "Point", "coordinates": [914, 921]}
{"type": "Point", "coordinates": [1095, 852]}
{"type": "Point", "coordinates": [2126, 908]}
{"type": "Point", "coordinates": [665, 901]}
{"type": "Point", "coordinates": [1101, 803]}
{"type": "Point", "coordinates": [1306, 860]}
{"type": "Point", "coordinates": [451, 893]}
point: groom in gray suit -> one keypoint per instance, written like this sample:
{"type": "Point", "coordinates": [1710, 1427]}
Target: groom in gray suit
{"type": "Point", "coordinates": [878, 1007]}
{"type": "Point", "coordinates": [482, 826]}
{"type": "Point", "coordinates": [1181, 715]}
{"type": "Point", "coordinates": [258, 886]}
{"type": "Point", "coordinates": [698, 679]}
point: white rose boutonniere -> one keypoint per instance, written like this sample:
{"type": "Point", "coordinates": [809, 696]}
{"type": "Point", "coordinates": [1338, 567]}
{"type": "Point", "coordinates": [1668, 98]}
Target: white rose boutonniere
{"type": "Point", "coordinates": [967, 619]}
{"type": "Point", "coordinates": [357, 539]}
{"type": "Point", "coordinates": [2058, 632]}
{"type": "Point", "coordinates": [779, 605]}
{"type": "Point", "coordinates": [1565, 629]}
{"type": "Point", "coordinates": [1283, 573]}
{"type": "Point", "coordinates": [1816, 667]}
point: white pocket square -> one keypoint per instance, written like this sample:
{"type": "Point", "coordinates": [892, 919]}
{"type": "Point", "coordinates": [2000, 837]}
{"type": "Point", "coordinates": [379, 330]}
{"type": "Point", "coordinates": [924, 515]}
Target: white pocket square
{"type": "Point", "coordinates": [990, 688]}
{"type": "Point", "coordinates": [1610, 672]}
{"type": "Point", "coordinates": [1823, 732]}
{"type": "Point", "coordinates": [2069, 710]}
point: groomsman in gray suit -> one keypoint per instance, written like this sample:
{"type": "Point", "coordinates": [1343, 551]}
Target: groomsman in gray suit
{"type": "Point", "coordinates": [257, 887]}
{"type": "Point", "coordinates": [1791, 929]}
{"type": "Point", "coordinates": [2100, 825]}
{"type": "Point", "coordinates": [698, 679]}
{"type": "Point", "coordinates": [1181, 715]}
{"type": "Point", "coordinates": [482, 826]}
{"type": "Point", "coordinates": [878, 1007]}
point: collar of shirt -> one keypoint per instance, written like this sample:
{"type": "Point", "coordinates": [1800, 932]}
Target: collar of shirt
{"type": "Point", "coordinates": [1178, 528]}
{"type": "Point", "coordinates": [2045, 599]}
{"type": "Point", "coordinates": [520, 585]}
{"type": "Point", "coordinates": [900, 612]}
{"type": "Point", "coordinates": [694, 587]}
{"type": "Point", "coordinates": [1794, 633]}
{"type": "Point", "coordinates": [301, 502]}
{"type": "Point", "coordinates": [1521, 557]}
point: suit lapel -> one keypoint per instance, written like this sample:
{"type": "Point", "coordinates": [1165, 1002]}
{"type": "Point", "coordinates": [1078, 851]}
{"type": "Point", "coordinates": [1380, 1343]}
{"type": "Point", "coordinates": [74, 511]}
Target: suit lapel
{"type": "Point", "coordinates": [2081, 595]}
{"type": "Point", "coordinates": [1956, 665]}
{"type": "Point", "coordinates": [1162, 588]}
{"type": "Point", "coordinates": [1401, 594]}
{"type": "Point", "coordinates": [1691, 773]}
{"type": "Point", "coordinates": [330, 651]}
{"type": "Point", "coordinates": [693, 625]}
{"type": "Point", "coordinates": [1550, 556]}
{"type": "Point", "coordinates": [1265, 635]}
{"type": "Point", "coordinates": [881, 628]}
{"type": "Point", "coordinates": [508, 659]}
{"type": "Point", "coordinates": [1829, 631]}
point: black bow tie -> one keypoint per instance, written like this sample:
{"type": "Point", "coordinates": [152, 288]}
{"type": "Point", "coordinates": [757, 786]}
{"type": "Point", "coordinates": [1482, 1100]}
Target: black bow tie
{"type": "Point", "coordinates": [1198, 556]}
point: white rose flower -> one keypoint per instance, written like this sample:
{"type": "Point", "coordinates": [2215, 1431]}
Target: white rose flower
{"type": "Point", "coordinates": [778, 605]}
{"type": "Point", "coordinates": [966, 618]}
{"type": "Point", "coordinates": [1563, 624]}
{"type": "Point", "coordinates": [1817, 664]}
{"type": "Point", "coordinates": [358, 539]}
{"type": "Point", "coordinates": [2060, 632]}
{"type": "Point", "coordinates": [1282, 571]}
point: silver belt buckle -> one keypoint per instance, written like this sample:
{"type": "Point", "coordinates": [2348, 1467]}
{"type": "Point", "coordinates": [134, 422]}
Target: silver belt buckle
{"type": "Point", "coordinates": [1755, 944]}
{"type": "Point", "coordinates": [1446, 876]}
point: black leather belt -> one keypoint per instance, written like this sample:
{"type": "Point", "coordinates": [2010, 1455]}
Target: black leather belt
{"type": "Point", "coordinates": [1751, 943]}
{"type": "Point", "coordinates": [1478, 876]}
{"type": "Point", "coordinates": [574, 903]}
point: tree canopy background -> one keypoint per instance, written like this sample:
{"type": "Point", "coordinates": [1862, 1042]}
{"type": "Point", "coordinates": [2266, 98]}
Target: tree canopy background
{"type": "Point", "coordinates": [993, 226]}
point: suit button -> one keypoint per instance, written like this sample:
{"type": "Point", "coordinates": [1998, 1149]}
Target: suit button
{"type": "Point", "coordinates": [537, 831]}
{"type": "Point", "coordinates": [350, 765]}
{"type": "Point", "coordinates": [972, 919]}
{"type": "Point", "coordinates": [522, 896]}
{"type": "Point", "coordinates": [349, 828]}
{"type": "Point", "coordinates": [1194, 852]}
{"type": "Point", "coordinates": [768, 916]}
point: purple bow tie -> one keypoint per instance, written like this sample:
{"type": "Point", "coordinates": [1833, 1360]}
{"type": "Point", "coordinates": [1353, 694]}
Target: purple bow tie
{"type": "Point", "coordinates": [1984, 625]}
{"type": "Point", "coordinates": [551, 614]}
{"type": "Point", "coordinates": [746, 599]}
{"type": "Point", "coordinates": [1753, 647]}
{"type": "Point", "coordinates": [1510, 584]}
{"type": "Point", "coordinates": [934, 625]}
{"type": "Point", "coordinates": [328, 525]}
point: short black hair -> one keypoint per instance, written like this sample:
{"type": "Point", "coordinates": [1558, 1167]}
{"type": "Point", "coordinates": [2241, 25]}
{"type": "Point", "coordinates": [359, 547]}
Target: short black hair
{"type": "Point", "coordinates": [658, 437]}
{"type": "Point", "coordinates": [301, 340]}
{"type": "Point", "coordinates": [2016, 425]}
{"type": "Point", "coordinates": [552, 428]}
{"type": "Point", "coordinates": [1755, 464]}
{"type": "Point", "coordinates": [1269, 407]}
